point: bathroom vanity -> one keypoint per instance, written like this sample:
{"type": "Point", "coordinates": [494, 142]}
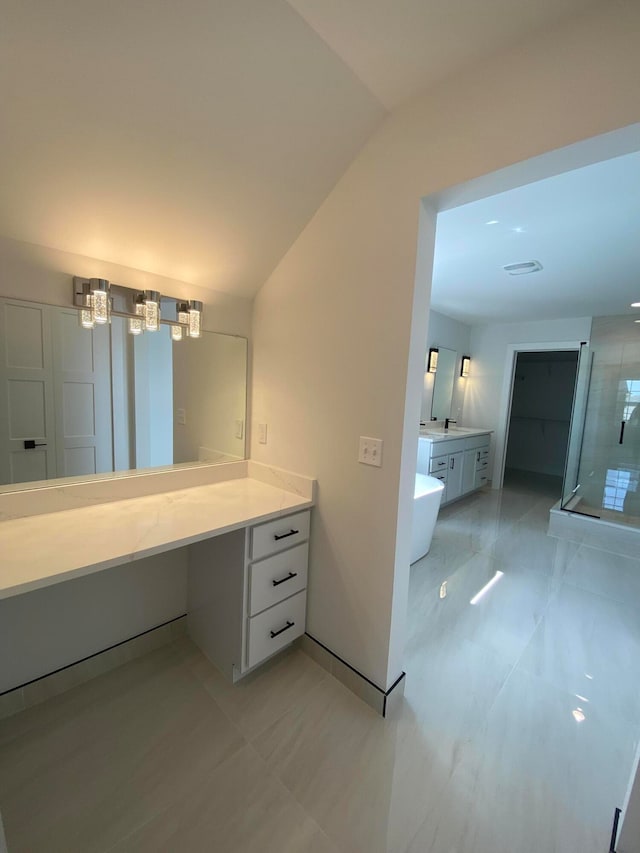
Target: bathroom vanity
{"type": "Point", "coordinates": [458, 457]}
{"type": "Point", "coordinates": [245, 532]}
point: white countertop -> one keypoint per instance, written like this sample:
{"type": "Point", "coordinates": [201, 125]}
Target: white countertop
{"type": "Point", "coordinates": [45, 549]}
{"type": "Point", "coordinates": [451, 433]}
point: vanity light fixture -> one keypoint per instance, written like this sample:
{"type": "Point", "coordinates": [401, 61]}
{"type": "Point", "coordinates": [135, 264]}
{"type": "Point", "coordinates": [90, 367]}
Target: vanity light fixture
{"type": "Point", "coordinates": [100, 301]}
{"type": "Point", "coordinates": [635, 304]}
{"type": "Point", "coordinates": [465, 364]}
{"type": "Point", "coordinates": [92, 298]}
{"type": "Point", "coordinates": [432, 360]}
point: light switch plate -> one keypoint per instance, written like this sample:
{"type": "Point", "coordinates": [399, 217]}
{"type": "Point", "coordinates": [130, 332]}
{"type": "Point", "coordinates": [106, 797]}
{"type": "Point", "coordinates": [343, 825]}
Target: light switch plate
{"type": "Point", "coordinates": [239, 428]}
{"type": "Point", "coordinates": [370, 451]}
{"type": "Point", "coordinates": [262, 433]}
{"type": "Point", "coordinates": [181, 416]}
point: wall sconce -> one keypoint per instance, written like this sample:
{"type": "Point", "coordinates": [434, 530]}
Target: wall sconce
{"type": "Point", "coordinates": [465, 365]}
{"type": "Point", "coordinates": [432, 360]}
{"type": "Point", "coordinates": [92, 298]}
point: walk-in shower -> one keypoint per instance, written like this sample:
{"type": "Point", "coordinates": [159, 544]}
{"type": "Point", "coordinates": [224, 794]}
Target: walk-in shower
{"type": "Point", "coordinates": [602, 475]}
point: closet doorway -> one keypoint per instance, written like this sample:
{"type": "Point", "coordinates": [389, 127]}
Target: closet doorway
{"type": "Point", "coordinates": [539, 418]}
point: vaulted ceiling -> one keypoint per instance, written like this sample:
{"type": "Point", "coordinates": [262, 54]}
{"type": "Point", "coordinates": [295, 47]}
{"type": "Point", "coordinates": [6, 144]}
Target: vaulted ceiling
{"type": "Point", "coordinates": [196, 138]}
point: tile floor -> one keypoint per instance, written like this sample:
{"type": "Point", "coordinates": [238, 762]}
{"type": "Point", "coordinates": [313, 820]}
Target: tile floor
{"type": "Point", "coordinates": [486, 755]}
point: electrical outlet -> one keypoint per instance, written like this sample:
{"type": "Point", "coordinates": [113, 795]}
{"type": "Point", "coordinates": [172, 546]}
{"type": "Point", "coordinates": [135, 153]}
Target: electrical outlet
{"type": "Point", "coordinates": [370, 452]}
{"type": "Point", "coordinates": [262, 433]}
{"type": "Point", "coordinates": [181, 416]}
{"type": "Point", "coordinates": [239, 428]}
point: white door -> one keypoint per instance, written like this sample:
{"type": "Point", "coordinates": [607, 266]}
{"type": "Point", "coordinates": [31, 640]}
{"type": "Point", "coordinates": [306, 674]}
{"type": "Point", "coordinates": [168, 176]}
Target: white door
{"type": "Point", "coordinates": [82, 383]}
{"type": "Point", "coordinates": [26, 393]}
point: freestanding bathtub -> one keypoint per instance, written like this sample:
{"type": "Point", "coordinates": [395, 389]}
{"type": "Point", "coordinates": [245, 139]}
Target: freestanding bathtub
{"type": "Point", "coordinates": [426, 503]}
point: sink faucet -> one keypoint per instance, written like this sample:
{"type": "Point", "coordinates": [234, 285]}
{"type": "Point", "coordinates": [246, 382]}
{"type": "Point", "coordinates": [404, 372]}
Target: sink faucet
{"type": "Point", "coordinates": [448, 421]}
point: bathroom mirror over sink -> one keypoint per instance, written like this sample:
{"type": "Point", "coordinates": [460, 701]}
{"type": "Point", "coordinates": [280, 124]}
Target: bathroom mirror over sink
{"type": "Point", "coordinates": [82, 403]}
{"type": "Point", "coordinates": [443, 384]}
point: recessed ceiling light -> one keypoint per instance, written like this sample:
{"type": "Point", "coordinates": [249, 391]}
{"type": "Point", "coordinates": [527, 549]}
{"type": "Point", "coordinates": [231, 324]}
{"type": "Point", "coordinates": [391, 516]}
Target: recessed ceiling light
{"type": "Point", "coordinates": [523, 268]}
{"type": "Point", "coordinates": [518, 230]}
{"type": "Point", "coordinates": [492, 222]}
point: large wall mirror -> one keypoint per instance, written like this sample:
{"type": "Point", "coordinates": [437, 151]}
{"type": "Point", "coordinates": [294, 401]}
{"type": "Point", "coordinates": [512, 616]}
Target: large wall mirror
{"type": "Point", "coordinates": [443, 382]}
{"type": "Point", "coordinates": [79, 403]}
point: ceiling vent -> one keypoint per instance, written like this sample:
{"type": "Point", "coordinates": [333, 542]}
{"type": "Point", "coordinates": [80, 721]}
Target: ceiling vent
{"type": "Point", "coordinates": [523, 268]}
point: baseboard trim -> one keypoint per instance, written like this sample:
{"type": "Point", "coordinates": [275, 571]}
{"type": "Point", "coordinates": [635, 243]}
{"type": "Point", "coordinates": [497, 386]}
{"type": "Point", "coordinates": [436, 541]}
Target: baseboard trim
{"type": "Point", "coordinates": [383, 702]}
{"type": "Point", "coordinates": [66, 677]}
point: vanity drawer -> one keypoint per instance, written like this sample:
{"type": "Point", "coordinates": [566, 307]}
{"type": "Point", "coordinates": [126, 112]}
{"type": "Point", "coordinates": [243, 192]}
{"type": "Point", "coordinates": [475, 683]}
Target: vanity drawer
{"type": "Point", "coordinates": [481, 478]}
{"type": "Point", "coordinates": [482, 455]}
{"type": "Point", "coordinates": [279, 534]}
{"type": "Point", "coordinates": [275, 628]}
{"type": "Point", "coordinates": [439, 465]}
{"type": "Point", "coordinates": [277, 577]}
{"type": "Point", "coordinates": [443, 479]}
{"type": "Point", "coordinates": [482, 465]}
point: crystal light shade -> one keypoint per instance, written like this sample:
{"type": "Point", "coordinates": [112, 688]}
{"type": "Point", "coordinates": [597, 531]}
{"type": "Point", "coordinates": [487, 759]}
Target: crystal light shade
{"type": "Point", "coordinates": [136, 327]}
{"type": "Point", "coordinates": [85, 315]}
{"type": "Point", "coordinates": [195, 318]}
{"type": "Point", "coordinates": [100, 301]}
{"type": "Point", "coordinates": [152, 310]}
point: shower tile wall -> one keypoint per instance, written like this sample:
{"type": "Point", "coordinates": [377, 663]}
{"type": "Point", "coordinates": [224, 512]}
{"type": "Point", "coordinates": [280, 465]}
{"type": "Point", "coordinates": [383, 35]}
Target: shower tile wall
{"type": "Point", "coordinates": [608, 473]}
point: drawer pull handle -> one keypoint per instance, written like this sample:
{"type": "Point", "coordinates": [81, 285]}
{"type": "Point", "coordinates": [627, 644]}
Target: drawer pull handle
{"type": "Point", "coordinates": [292, 532]}
{"type": "Point", "coordinates": [284, 580]}
{"type": "Point", "coordinates": [282, 630]}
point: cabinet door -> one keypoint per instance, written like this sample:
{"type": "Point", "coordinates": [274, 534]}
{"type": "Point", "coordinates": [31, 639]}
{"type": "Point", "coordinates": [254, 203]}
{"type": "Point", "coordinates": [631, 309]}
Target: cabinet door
{"type": "Point", "coordinates": [469, 470]}
{"type": "Point", "coordinates": [454, 475]}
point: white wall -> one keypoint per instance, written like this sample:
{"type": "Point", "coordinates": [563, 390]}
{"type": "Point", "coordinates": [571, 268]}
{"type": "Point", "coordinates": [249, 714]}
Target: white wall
{"type": "Point", "coordinates": [446, 332]}
{"type": "Point", "coordinates": [336, 347]}
{"type": "Point", "coordinates": [491, 345]}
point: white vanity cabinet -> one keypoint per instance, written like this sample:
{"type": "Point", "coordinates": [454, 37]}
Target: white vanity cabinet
{"type": "Point", "coordinates": [247, 592]}
{"type": "Point", "coordinates": [460, 463]}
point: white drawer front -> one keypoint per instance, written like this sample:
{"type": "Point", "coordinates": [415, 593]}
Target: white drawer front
{"type": "Point", "coordinates": [482, 465]}
{"type": "Point", "coordinates": [481, 478]}
{"type": "Point", "coordinates": [277, 577]}
{"type": "Point", "coordinates": [275, 628]}
{"type": "Point", "coordinates": [438, 464]}
{"type": "Point", "coordinates": [277, 535]}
